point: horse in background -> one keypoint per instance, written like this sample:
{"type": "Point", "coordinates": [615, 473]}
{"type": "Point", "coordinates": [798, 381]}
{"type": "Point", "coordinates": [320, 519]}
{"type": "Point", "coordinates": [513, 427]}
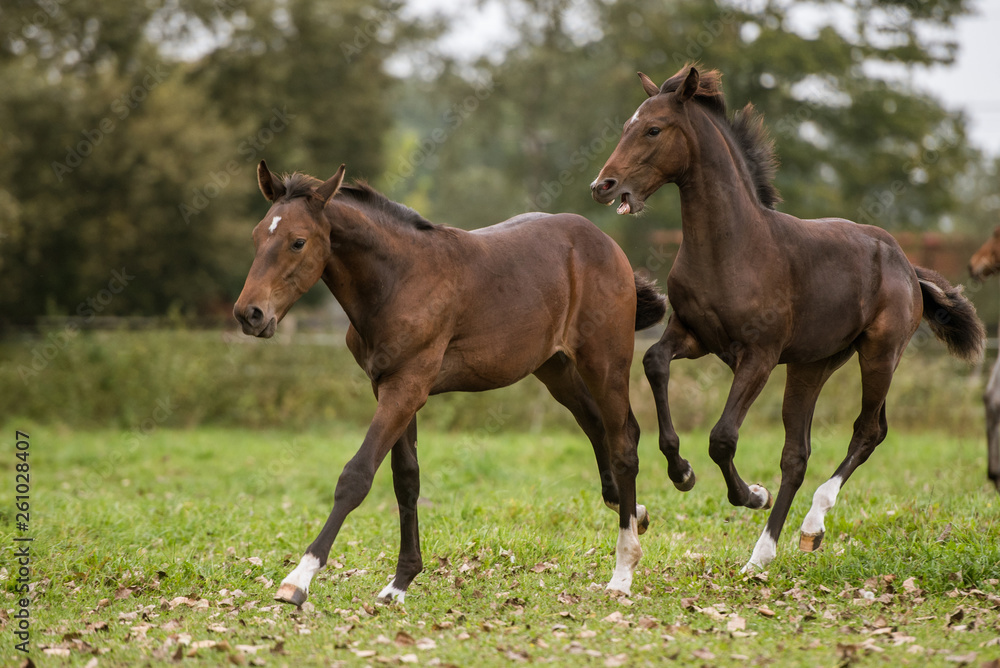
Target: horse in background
{"type": "Point", "coordinates": [437, 309]}
{"type": "Point", "coordinates": [758, 288]}
{"type": "Point", "coordinates": [986, 262]}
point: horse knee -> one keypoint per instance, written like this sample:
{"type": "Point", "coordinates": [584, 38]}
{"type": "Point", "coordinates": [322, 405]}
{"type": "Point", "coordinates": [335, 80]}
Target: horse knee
{"type": "Point", "coordinates": [722, 443]}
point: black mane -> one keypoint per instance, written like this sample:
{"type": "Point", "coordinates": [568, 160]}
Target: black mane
{"type": "Point", "coordinates": [303, 185]}
{"type": "Point", "coordinates": [746, 126]}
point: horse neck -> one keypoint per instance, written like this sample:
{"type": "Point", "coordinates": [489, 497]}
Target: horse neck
{"type": "Point", "coordinates": [368, 259]}
{"type": "Point", "coordinates": [719, 210]}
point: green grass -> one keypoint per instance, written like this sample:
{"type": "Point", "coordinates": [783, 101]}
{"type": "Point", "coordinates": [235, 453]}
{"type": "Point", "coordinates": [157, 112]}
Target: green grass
{"type": "Point", "coordinates": [517, 548]}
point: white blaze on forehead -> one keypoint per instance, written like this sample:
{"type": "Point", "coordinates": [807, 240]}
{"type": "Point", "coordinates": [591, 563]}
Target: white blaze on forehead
{"type": "Point", "coordinates": [274, 224]}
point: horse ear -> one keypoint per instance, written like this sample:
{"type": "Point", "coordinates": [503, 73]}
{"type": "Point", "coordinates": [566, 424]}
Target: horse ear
{"type": "Point", "coordinates": [689, 87]}
{"type": "Point", "coordinates": [330, 187]}
{"type": "Point", "coordinates": [269, 183]}
{"type": "Point", "coordinates": [648, 85]}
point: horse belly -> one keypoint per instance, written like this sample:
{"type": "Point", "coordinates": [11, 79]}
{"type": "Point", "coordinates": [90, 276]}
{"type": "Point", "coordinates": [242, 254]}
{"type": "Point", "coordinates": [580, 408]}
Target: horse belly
{"type": "Point", "coordinates": [488, 361]}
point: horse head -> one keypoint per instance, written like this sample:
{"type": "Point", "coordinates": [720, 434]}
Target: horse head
{"type": "Point", "coordinates": [292, 248]}
{"type": "Point", "coordinates": [986, 260]}
{"type": "Point", "coordinates": [655, 146]}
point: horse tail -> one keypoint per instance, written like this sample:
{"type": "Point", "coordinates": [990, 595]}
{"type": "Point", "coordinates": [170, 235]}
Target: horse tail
{"type": "Point", "coordinates": [651, 304]}
{"type": "Point", "coordinates": [951, 316]}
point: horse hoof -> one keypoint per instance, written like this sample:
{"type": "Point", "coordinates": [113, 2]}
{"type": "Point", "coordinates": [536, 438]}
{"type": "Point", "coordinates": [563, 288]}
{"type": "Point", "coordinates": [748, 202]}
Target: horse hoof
{"type": "Point", "coordinates": [687, 484]}
{"type": "Point", "coordinates": [810, 542]}
{"type": "Point", "coordinates": [289, 593]}
{"type": "Point", "coordinates": [643, 524]}
{"type": "Point", "coordinates": [755, 490]}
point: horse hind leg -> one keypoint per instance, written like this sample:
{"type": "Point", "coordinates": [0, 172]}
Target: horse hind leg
{"type": "Point", "coordinates": [406, 485]}
{"type": "Point", "coordinates": [563, 381]}
{"type": "Point", "coordinates": [604, 367]}
{"type": "Point", "coordinates": [870, 429]}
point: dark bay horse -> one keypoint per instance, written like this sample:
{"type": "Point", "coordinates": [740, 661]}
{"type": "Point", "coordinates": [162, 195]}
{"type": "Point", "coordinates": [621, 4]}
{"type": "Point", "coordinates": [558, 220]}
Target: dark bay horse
{"type": "Point", "coordinates": [986, 262]}
{"type": "Point", "coordinates": [437, 309]}
{"type": "Point", "coordinates": [759, 288]}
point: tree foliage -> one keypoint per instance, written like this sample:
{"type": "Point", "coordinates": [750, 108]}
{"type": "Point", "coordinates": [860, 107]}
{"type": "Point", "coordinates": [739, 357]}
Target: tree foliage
{"type": "Point", "coordinates": [129, 131]}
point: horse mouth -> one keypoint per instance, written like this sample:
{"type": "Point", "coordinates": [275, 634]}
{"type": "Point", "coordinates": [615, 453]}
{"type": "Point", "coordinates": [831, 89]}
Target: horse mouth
{"type": "Point", "coordinates": [629, 204]}
{"type": "Point", "coordinates": [264, 332]}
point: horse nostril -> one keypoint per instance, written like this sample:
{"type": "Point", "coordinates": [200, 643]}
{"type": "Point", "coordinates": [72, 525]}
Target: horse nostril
{"type": "Point", "coordinates": [255, 316]}
{"type": "Point", "coordinates": [607, 184]}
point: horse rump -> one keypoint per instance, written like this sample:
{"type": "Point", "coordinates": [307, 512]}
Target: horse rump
{"type": "Point", "coordinates": [951, 316]}
{"type": "Point", "coordinates": [650, 303]}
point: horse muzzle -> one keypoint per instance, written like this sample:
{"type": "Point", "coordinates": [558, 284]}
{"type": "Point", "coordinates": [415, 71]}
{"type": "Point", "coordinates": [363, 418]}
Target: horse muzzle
{"type": "Point", "coordinates": [255, 322]}
{"type": "Point", "coordinates": [605, 191]}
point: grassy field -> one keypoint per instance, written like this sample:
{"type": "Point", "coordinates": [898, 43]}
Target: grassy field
{"type": "Point", "coordinates": [160, 545]}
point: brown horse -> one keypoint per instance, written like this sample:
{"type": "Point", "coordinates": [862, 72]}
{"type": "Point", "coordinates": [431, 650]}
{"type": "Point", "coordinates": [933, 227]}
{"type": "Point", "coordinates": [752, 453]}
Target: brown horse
{"type": "Point", "coordinates": [759, 288]}
{"type": "Point", "coordinates": [437, 309]}
{"type": "Point", "coordinates": [986, 262]}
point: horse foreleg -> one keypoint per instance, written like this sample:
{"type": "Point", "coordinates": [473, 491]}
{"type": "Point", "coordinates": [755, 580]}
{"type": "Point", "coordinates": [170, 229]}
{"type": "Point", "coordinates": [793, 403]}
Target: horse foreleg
{"type": "Point", "coordinates": [406, 484]}
{"type": "Point", "coordinates": [676, 343]}
{"type": "Point", "coordinates": [750, 376]}
{"type": "Point", "coordinates": [802, 387]}
{"type": "Point", "coordinates": [992, 400]}
{"type": "Point", "coordinates": [396, 409]}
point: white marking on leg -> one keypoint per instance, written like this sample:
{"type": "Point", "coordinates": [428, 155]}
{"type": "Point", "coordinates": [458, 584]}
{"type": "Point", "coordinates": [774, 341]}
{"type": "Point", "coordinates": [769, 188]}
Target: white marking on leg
{"type": "Point", "coordinates": [763, 553]}
{"type": "Point", "coordinates": [303, 573]}
{"type": "Point", "coordinates": [392, 593]}
{"type": "Point", "coordinates": [627, 556]}
{"type": "Point", "coordinates": [640, 510]}
{"type": "Point", "coordinates": [274, 224]}
{"type": "Point", "coordinates": [759, 492]}
{"type": "Point", "coordinates": [823, 500]}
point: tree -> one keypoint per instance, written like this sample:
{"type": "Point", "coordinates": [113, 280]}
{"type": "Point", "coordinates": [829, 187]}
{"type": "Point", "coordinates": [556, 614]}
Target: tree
{"type": "Point", "coordinates": [852, 143]}
{"type": "Point", "coordinates": [130, 134]}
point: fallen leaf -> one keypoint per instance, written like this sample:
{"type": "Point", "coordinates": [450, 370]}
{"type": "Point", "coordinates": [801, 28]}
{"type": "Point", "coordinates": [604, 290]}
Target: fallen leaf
{"type": "Point", "coordinates": [962, 659]}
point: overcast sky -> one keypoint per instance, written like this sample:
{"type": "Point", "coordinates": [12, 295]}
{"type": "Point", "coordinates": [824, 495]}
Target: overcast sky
{"type": "Point", "coordinates": [972, 84]}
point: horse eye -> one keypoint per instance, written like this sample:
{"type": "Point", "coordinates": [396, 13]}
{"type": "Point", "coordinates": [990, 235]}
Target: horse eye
{"type": "Point", "coordinates": [298, 245]}
{"type": "Point", "coordinates": [652, 132]}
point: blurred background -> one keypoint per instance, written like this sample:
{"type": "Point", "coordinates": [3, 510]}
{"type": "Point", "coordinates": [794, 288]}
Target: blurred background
{"type": "Point", "coordinates": [130, 131]}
